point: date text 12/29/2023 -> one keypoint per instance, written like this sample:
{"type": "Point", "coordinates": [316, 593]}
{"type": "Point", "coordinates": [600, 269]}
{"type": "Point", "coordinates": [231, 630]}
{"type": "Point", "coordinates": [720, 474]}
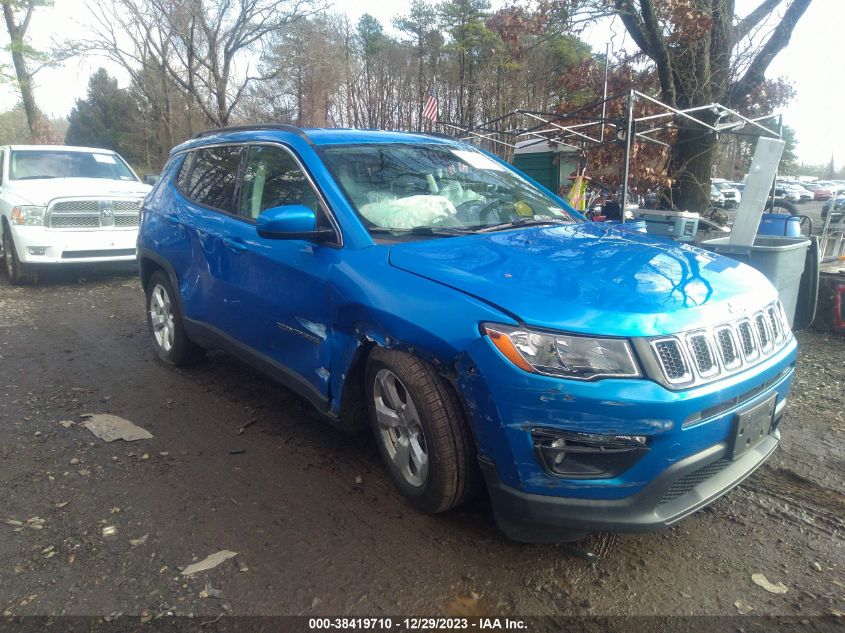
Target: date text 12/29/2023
{"type": "Point", "coordinates": [415, 624]}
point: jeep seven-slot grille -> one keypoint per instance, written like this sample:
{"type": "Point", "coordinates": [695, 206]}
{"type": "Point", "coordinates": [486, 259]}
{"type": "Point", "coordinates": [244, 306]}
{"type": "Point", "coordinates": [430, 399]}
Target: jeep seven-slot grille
{"type": "Point", "coordinates": [672, 360]}
{"type": "Point", "coordinates": [704, 355]}
{"type": "Point", "coordinates": [727, 347]}
{"type": "Point", "coordinates": [746, 336]}
{"type": "Point", "coordinates": [774, 322]}
{"type": "Point", "coordinates": [703, 358]}
{"type": "Point", "coordinates": [93, 214]}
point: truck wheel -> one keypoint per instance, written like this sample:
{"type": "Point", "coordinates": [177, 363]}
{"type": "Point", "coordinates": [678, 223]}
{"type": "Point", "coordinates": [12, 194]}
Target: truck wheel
{"type": "Point", "coordinates": [165, 322]}
{"type": "Point", "coordinates": [422, 437]}
{"type": "Point", "coordinates": [19, 274]}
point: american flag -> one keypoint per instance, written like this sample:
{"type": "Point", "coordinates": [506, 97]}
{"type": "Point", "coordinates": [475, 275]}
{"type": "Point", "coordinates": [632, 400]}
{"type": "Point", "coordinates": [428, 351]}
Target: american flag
{"type": "Point", "coordinates": [430, 109]}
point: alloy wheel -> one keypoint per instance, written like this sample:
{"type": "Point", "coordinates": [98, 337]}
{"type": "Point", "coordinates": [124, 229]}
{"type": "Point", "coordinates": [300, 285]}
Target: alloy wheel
{"type": "Point", "coordinates": [400, 430]}
{"type": "Point", "coordinates": [161, 317]}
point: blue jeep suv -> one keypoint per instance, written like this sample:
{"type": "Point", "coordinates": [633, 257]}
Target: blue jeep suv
{"type": "Point", "coordinates": [594, 378]}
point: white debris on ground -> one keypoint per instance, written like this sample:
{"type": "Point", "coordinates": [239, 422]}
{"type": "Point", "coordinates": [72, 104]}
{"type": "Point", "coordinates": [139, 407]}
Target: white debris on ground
{"type": "Point", "coordinates": [210, 562]}
{"type": "Point", "coordinates": [111, 427]}
{"type": "Point", "coordinates": [761, 581]}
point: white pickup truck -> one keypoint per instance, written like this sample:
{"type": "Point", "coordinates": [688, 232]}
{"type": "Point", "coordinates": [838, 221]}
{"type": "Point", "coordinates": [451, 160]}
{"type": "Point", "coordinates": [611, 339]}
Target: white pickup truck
{"type": "Point", "coordinates": [63, 205]}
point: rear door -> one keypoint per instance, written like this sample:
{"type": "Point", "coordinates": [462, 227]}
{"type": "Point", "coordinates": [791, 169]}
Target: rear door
{"type": "Point", "coordinates": [207, 207]}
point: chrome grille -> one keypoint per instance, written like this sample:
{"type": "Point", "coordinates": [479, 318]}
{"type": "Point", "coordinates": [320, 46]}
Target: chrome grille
{"type": "Point", "coordinates": [763, 332]}
{"type": "Point", "coordinates": [774, 322]}
{"type": "Point", "coordinates": [127, 220]}
{"type": "Point", "coordinates": [672, 360]}
{"type": "Point", "coordinates": [93, 214]}
{"type": "Point", "coordinates": [711, 353]}
{"type": "Point", "coordinates": [77, 206]}
{"type": "Point", "coordinates": [726, 343]}
{"type": "Point", "coordinates": [74, 222]}
{"type": "Point", "coordinates": [746, 337]}
{"type": "Point", "coordinates": [702, 355]}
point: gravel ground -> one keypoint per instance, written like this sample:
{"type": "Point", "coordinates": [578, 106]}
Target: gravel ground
{"type": "Point", "coordinates": [315, 523]}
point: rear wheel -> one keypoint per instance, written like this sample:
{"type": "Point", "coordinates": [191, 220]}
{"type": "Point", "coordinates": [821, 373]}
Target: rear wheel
{"type": "Point", "coordinates": [166, 324]}
{"type": "Point", "coordinates": [423, 439]}
{"type": "Point", "coordinates": [18, 273]}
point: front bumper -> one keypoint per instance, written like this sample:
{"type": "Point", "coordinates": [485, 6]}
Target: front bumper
{"type": "Point", "coordinates": [688, 432]}
{"type": "Point", "coordinates": [39, 245]}
{"type": "Point", "coordinates": [679, 491]}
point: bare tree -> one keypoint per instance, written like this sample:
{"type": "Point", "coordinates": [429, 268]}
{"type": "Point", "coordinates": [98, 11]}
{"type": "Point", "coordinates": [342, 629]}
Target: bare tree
{"type": "Point", "coordinates": [205, 47]}
{"type": "Point", "coordinates": [703, 54]}
{"type": "Point", "coordinates": [17, 15]}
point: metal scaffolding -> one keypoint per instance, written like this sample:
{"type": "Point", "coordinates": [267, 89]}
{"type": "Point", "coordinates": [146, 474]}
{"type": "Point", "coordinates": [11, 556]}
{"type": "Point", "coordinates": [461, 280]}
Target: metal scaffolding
{"type": "Point", "coordinates": [582, 131]}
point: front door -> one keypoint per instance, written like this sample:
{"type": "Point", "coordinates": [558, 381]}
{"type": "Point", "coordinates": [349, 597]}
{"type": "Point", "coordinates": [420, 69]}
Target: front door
{"type": "Point", "coordinates": [280, 287]}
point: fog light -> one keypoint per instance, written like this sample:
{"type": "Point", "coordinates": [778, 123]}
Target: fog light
{"type": "Point", "coordinates": [37, 250]}
{"type": "Point", "coordinates": [585, 455]}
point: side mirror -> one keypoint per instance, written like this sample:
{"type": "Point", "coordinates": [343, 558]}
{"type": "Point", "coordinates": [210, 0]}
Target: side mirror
{"type": "Point", "coordinates": [291, 222]}
{"type": "Point", "coordinates": [150, 179]}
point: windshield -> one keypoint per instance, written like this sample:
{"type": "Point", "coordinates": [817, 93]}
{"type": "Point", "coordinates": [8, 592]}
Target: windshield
{"type": "Point", "coordinates": [436, 188]}
{"type": "Point", "coordinates": [35, 164]}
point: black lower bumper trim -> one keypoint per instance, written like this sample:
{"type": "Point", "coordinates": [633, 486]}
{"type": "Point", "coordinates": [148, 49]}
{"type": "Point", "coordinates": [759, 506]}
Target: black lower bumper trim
{"type": "Point", "coordinates": [546, 519]}
{"type": "Point", "coordinates": [113, 252]}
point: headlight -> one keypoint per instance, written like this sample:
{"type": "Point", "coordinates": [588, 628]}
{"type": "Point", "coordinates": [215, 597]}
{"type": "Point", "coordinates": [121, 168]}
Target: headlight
{"type": "Point", "coordinates": [564, 355]}
{"type": "Point", "coordinates": [34, 216]}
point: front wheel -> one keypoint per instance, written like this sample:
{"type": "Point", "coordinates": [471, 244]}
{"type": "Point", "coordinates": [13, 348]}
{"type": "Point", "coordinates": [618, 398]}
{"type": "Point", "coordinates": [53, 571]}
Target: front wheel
{"type": "Point", "coordinates": [166, 325]}
{"type": "Point", "coordinates": [18, 273]}
{"type": "Point", "coordinates": [423, 439]}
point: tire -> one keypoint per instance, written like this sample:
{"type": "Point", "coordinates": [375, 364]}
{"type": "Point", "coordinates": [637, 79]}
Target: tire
{"type": "Point", "coordinates": [781, 206]}
{"type": "Point", "coordinates": [167, 329]}
{"type": "Point", "coordinates": [19, 274]}
{"type": "Point", "coordinates": [449, 473]}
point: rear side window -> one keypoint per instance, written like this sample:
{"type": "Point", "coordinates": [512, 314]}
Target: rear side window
{"type": "Point", "coordinates": [214, 177]}
{"type": "Point", "coordinates": [184, 172]}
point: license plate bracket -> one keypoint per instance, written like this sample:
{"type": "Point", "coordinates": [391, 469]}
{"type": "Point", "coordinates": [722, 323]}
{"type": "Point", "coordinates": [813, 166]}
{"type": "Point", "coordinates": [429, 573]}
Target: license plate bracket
{"type": "Point", "coordinates": [752, 426]}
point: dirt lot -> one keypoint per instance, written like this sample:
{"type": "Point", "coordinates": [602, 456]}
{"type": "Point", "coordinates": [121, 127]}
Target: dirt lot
{"type": "Point", "coordinates": [316, 525]}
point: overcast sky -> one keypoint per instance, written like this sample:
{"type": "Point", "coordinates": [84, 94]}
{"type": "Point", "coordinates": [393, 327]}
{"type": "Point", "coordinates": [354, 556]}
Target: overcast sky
{"type": "Point", "coordinates": [811, 63]}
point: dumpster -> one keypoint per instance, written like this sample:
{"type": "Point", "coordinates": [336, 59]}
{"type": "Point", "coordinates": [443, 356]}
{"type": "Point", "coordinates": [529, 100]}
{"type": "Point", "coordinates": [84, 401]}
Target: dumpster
{"type": "Point", "coordinates": [781, 259]}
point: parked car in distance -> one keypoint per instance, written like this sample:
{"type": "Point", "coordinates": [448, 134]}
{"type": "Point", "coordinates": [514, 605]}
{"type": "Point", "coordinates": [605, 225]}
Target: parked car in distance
{"type": "Point", "coordinates": [717, 198]}
{"type": "Point", "coordinates": [833, 187]}
{"type": "Point", "coordinates": [783, 192]}
{"type": "Point", "coordinates": [63, 205]}
{"type": "Point", "coordinates": [837, 204]}
{"type": "Point", "coordinates": [818, 191]}
{"type": "Point", "coordinates": [731, 194]}
{"type": "Point", "coordinates": [804, 193]}
{"type": "Point", "coordinates": [596, 378]}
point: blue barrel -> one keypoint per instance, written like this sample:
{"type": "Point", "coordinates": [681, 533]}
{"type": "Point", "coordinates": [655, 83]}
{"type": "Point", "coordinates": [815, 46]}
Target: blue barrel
{"type": "Point", "coordinates": [780, 225]}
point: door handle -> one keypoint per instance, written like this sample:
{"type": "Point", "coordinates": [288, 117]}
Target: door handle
{"type": "Point", "coordinates": [172, 218]}
{"type": "Point", "coordinates": [235, 244]}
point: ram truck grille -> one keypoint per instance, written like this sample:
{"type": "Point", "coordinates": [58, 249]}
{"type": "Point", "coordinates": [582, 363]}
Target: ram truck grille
{"type": "Point", "coordinates": [704, 355]}
{"type": "Point", "coordinates": [94, 214]}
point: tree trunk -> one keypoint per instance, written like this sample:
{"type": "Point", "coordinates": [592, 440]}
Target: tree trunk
{"type": "Point", "coordinates": [690, 168]}
{"type": "Point", "coordinates": [38, 128]}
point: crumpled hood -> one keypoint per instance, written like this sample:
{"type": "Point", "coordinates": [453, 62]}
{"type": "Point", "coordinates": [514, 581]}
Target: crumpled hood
{"type": "Point", "coordinates": [591, 278]}
{"type": "Point", "coordinates": [41, 191]}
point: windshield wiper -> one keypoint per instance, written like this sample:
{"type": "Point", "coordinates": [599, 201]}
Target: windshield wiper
{"type": "Point", "coordinates": [519, 222]}
{"type": "Point", "coordinates": [35, 177]}
{"type": "Point", "coordinates": [442, 231]}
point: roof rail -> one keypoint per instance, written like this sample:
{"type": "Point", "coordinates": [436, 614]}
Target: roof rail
{"type": "Point", "coordinates": [285, 127]}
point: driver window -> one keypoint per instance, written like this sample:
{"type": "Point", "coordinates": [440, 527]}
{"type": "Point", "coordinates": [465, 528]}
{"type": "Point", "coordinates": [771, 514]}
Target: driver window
{"type": "Point", "coordinates": [272, 178]}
